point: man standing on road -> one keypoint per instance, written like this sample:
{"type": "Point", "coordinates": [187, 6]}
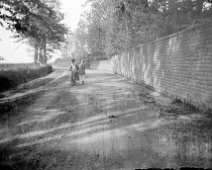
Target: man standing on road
{"type": "Point", "coordinates": [82, 71]}
{"type": "Point", "coordinates": [74, 72]}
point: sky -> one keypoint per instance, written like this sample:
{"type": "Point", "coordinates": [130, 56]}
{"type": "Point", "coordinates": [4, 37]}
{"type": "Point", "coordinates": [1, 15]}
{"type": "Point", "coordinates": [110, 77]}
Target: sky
{"type": "Point", "coordinates": [72, 10]}
{"type": "Point", "coordinates": [13, 52]}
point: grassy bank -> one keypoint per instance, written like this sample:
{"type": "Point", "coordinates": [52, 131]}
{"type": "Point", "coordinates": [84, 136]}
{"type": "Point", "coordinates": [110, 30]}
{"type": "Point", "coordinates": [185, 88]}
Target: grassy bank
{"type": "Point", "coordinates": [12, 75]}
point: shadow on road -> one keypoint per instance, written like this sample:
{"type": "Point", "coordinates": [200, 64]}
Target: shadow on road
{"type": "Point", "coordinates": [109, 123]}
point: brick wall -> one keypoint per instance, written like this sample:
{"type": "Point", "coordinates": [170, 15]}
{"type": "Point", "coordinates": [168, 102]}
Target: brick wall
{"type": "Point", "coordinates": [179, 65]}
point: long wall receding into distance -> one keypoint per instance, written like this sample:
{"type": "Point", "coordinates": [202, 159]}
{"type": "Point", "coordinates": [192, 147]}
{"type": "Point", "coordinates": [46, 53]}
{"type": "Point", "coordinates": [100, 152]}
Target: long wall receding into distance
{"type": "Point", "coordinates": [179, 65]}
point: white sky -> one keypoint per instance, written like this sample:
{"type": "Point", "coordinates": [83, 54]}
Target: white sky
{"type": "Point", "coordinates": [72, 9]}
{"type": "Point", "coordinates": [19, 52]}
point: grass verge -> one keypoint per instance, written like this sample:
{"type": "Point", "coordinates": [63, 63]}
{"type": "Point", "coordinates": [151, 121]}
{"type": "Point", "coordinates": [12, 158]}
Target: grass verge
{"type": "Point", "coordinates": [10, 78]}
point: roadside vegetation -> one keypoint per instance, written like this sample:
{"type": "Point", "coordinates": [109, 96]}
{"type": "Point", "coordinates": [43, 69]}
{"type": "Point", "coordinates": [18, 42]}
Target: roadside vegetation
{"type": "Point", "coordinates": [12, 75]}
{"type": "Point", "coordinates": [37, 22]}
{"type": "Point", "coordinates": [63, 62]}
{"type": "Point", "coordinates": [66, 62]}
{"type": "Point", "coordinates": [110, 27]}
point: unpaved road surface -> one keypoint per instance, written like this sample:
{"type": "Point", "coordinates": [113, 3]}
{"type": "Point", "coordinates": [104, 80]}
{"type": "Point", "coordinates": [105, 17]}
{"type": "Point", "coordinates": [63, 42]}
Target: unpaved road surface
{"type": "Point", "coordinates": [108, 123]}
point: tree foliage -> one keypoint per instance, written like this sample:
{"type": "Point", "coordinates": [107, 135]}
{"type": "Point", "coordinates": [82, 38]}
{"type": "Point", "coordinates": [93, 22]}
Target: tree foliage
{"type": "Point", "coordinates": [113, 26]}
{"type": "Point", "coordinates": [37, 20]}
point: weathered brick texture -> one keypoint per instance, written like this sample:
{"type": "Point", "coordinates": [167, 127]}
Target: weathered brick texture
{"type": "Point", "coordinates": [179, 65]}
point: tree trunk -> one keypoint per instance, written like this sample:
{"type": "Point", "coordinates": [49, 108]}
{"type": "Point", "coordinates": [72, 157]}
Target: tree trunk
{"type": "Point", "coordinates": [41, 54]}
{"type": "Point", "coordinates": [44, 50]}
{"type": "Point", "coordinates": [36, 54]}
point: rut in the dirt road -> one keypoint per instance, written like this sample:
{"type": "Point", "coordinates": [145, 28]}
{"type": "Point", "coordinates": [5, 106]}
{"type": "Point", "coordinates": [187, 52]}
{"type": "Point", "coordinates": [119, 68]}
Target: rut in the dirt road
{"type": "Point", "coordinates": [108, 123]}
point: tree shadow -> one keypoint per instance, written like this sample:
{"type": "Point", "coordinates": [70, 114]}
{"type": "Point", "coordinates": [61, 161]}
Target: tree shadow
{"type": "Point", "coordinates": [108, 127]}
{"type": "Point", "coordinates": [14, 107]}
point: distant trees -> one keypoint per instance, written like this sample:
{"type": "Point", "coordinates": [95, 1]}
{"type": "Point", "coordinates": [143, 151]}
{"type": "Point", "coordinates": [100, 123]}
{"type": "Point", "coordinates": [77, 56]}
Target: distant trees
{"type": "Point", "coordinates": [39, 21]}
{"type": "Point", "coordinates": [115, 25]}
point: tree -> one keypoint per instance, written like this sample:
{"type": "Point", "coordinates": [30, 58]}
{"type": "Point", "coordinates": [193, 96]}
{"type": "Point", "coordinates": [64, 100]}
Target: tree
{"type": "Point", "coordinates": [37, 20]}
{"type": "Point", "coordinates": [116, 25]}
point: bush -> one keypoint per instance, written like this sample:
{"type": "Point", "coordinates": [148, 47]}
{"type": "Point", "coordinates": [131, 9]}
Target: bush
{"type": "Point", "coordinates": [9, 78]}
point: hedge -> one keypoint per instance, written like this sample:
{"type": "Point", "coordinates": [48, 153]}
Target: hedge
{"type": "Point", "coordinates": [11, 78]}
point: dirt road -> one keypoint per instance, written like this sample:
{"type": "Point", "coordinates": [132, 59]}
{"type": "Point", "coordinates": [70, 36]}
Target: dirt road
{"type": "Point", "coordinates": [108, 123]}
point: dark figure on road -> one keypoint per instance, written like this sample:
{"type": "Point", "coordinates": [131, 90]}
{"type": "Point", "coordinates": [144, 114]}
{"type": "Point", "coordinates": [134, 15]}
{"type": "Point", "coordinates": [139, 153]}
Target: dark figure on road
{"type": "Point", "coordinates": [74, 72]}
{"type": "Point", "coordinates": [82, 71]}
